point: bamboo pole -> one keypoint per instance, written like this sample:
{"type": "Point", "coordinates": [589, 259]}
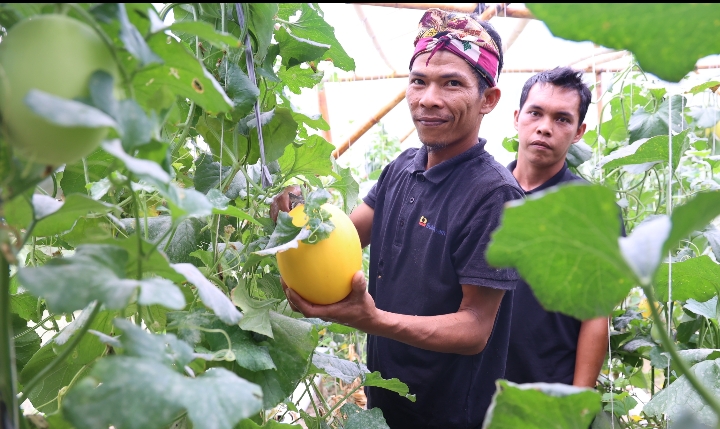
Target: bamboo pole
{"type": "Point", "coordinates": [588, 69]}
{"type": "Point", "coordinates": [371, 33]}
{"type": "Point", "coordinates": [368, 124]}
{"type": "Point", "coordinates": [519, 27]}
{"type": "Point", "coordinates": [408, 134]}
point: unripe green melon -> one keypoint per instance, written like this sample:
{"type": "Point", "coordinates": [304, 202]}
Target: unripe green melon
{"type": "Point", "coordinates": [55, 54]}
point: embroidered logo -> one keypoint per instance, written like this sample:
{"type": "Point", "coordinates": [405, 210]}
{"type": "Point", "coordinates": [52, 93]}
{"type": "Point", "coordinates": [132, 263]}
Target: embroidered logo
{"type": "Point", "coordinates": [425, 224]}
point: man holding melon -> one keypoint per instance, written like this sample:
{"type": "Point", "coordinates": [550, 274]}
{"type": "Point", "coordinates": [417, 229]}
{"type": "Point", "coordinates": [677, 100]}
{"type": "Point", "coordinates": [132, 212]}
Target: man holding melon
{"type": "Point", "coordinates": [548, 346]}
{"type": "Point", "coordinates": [438, 317]}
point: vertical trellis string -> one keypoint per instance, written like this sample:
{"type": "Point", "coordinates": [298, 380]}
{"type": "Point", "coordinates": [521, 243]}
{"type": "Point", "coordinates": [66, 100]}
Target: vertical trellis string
{"type": "Point", "coordinates": [668, 203]}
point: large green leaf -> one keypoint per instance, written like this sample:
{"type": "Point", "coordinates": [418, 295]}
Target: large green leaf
{"type": "Point", "coordinates": [189, 236]}
{"type": "Point", "coordinates": [291, 348]}
{"type": "Point", "coordinates": [296, 78]}
{"type": "Point", "coordinates": [210, 295]}
{"type": "Point", "coordinates": [374, 379]}
{"type": "Point", "coordinates": [241, 90]}
{"type": "Point", "coordinates": [680, 397]}
{"type": "Point", "coordinates": [357, 418]}
{"type": "Point", "coordinates": [95, 272]}
{"type": "Point", "coordinates": [52, 216]}
{"type": "Point", "coordinates": [343, 369]}
{"type": "Point", "coordinates": [696, 278]}
{"type": "Point", "coordinates": [261, 19]}
{"type": "Point", "coordinates": [654, 149]}
{"type": "Point", "coordinates": [278, 132]}
{"type": "Point", "coordinates": [165, 349]}
{"type": "Point", "coordinates": [98, 167]}
{"type": "Point", "coordinates": [310, 158]}
{"type": "Point", "coordinates": [296, 50]}
{"type": "Point", "coordinates": [666, 38]}
{"type": "Point", "coordinates": [27, 344]}
{"type": "Point", "coordinates": [207, 32]}
{"type": "Point", "coordinates": [88, 349]}
{"type": "Point", "coordinates": [183, 74]}
{"type": "Point", "coordinates": [134, 393]}
{"type": "Point", "coordinates": [133, 40]}
{"type": "Point", "coordinates": [349, 188]}
{"type": "Point", "coordinates": [66, 113]}
{"type": "Point", "coordinates": [541, 406]}
{"type": "Point", "coordinates": [248, 353]}
{"type": "Point", "coordinates": [311, 26]}
{"type": "Point", "coordinates": [564, 243]}
{"type": "Point", "coordinates": [256, 313]}
{"type": "Point", "coordinates": [645, 124]}
{"type": "Point", "coordinates": [692, 216]}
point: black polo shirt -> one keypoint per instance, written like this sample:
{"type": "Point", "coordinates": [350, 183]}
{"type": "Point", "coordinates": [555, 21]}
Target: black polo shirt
{"type": "Point", "coordinates": [543, 344]}
{"type": "Point", "coordinates": [429, 235]}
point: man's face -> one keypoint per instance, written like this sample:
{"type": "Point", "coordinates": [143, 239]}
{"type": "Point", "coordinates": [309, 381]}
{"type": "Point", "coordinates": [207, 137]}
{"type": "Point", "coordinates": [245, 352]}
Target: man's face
{"type": "Point", "coordinates": [548, 124]}
{"type": "Point", "coordinates": [445, 102]}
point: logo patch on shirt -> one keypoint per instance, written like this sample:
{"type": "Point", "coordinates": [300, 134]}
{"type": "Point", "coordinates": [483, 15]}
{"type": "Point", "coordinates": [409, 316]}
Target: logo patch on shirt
{"type": "Point", "coordinates": [426, 224]}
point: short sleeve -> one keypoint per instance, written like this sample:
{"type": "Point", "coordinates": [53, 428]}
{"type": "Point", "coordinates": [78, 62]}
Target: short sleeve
{"type": "Point", "coordinates": [468, 252]}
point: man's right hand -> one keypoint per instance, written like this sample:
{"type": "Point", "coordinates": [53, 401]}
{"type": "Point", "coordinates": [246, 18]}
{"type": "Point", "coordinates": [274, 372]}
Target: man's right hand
{"type": "Point", "coordinates": [281, 202]}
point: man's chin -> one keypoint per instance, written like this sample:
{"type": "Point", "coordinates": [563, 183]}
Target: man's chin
{"type": "Point", "coordinates": [434, 146]}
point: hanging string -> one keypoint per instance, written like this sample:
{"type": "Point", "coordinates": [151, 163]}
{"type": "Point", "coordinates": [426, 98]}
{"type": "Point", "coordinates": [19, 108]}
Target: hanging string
{"type": "Point", "coordinates": [668, 202]}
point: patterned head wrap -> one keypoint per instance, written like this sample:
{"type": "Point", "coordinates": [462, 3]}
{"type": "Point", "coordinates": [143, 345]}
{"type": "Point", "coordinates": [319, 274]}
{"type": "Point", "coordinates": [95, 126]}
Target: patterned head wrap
{"type": "Point", "coordinates": [463, 36]}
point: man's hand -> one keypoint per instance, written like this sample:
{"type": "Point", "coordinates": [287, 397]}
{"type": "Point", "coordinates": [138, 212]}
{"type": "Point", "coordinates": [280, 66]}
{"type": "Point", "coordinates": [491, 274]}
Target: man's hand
{"type": "Point", "coordinates": [356, 310]}
{"type": "Point", "coordinates": [281, 202]}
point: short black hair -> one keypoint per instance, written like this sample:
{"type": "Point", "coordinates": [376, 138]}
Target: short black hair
{"type": "Point", "coordinates": [563, 77]}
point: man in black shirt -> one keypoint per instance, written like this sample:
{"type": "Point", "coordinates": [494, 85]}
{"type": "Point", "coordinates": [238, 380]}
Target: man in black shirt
{"type": "Point", "coordinates": [547, 346]}
{"type": "Point", "coordinates": [437, 315]}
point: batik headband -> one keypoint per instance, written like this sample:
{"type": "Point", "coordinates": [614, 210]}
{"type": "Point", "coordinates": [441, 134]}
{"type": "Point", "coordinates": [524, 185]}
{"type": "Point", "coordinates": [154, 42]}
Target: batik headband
{"type": "Point", "coordinates": [461, 35]}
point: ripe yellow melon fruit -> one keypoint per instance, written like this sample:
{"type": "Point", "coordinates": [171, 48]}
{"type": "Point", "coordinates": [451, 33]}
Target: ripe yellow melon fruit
{"type": "Point", "coordinates": [322, 272]}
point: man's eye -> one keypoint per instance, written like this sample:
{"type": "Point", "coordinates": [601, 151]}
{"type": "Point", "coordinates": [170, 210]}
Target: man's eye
{"type": "Point", "coordinates": [533, 113]}
{"type": "Point", "coordinates": [564, 120]}
{"type": "Point", "coordinates": [417, 81]}
{"type": "Point", "coordinates": [454, 83]}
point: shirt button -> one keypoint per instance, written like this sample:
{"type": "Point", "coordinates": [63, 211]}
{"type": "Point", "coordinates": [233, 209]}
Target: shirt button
{"type": "Point", "coordinates": [402, 222]}
{"type": "Point", "coordinates": [412, 200]}
{"type": "Point", "coordinates": [421, 178]}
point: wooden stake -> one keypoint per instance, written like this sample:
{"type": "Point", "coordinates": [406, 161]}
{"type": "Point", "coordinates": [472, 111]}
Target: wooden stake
{"type": "Point", "coordinates": [519, 27]}
{"type": "Point", "coordinates": [368, 124]}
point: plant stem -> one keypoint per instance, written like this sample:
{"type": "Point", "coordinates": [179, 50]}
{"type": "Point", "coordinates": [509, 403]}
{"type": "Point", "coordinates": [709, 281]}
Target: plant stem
{"type": "Point", "coordinates": [67, 351]}
{"type": "Point", "coordinates": [669, 345]}
{"type": "Point", "coordinates": [8, 376]}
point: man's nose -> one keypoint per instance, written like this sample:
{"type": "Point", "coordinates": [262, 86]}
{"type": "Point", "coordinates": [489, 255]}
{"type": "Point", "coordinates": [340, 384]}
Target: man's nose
{"type": "Point", "coordinates": [545, 126]}
{"type": "Point", "coordinates": [431, 97]}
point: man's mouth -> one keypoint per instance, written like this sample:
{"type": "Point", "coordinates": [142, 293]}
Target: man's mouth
{"type": "Point", "coordinates": [430, 121]}
{"type": "Point", "coordinates": [541, 144]}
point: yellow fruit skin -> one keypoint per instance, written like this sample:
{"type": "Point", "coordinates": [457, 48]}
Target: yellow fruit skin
{"type": "Point", "coordinates": [55, 54]}
{"type": "Point", "coordinates": [322, 272]}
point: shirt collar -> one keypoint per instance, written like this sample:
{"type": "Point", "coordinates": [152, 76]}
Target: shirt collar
{"type": "Point", "coordinates": [439, 172]}
{"type": "Point", "coordinates": [557, 178]}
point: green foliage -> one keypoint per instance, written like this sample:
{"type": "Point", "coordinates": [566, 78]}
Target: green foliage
{"type": "Point", "coordinates": [642, 29]}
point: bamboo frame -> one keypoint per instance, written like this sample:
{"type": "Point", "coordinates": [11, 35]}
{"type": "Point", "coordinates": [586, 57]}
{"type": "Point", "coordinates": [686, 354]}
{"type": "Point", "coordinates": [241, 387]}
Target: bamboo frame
{"type": "Point", "coordinates": [371, 33]}
{"type": "Point", "coordinates": [322, 104]}
{"type": "Point", "coordinates": [345, 145]}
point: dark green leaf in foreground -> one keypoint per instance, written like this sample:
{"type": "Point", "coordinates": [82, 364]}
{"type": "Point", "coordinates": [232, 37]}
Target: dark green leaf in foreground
{"type": "Point", "coordinates": [693, 216]}
{"type": "Point", "coordinates": [241, 90]}
{"type": "Point", "coordinates": [654, 149]}
{"type": "Point", "coordinates": [357, 418]}
{"type": "Point", "coordinates": [348, 187]}
{"type": "Point", "coordinates": [541, 406]}
{"type": "Point", "coordinates": [564, 243]}
{"type": "Point", "coordinates": [695, 278]}
{"type": "Point", "coordinates": [248, 353]}
{"type": "Point", "coordinates": [278, 132]}
{"type": "Point", "coordinates": [642, 250]}
{"type": "Point", "coordinates": [666, 38]}
{"type": "Point", "coordinates": [285, 236]}
{"type": "Point", "coordinates": [374, 379]}
{"type": "Point", "coordinates": [66, 113]}
{"type": "Point", "coordinates": [680, 397]}
{"type": "Point", "coordinates": [133, 40]}
{"type": "Point", "coordinates": [95, 272]}
{"type": "Point", "coordinates": [291, 349]}
{"type": "Point", "coordinates": [296, 50]}
{"type": "Point", "coordinates": [157, 395]}
{"type": "Point", "coordinates": [52, 216]}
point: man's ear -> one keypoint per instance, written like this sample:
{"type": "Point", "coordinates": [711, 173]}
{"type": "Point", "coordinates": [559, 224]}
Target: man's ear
{"type": "Point", "coordinates": [490, 99]}
{"type": "Point", "coordinates": [580, 133]}
{"type": "Point", "coordinates": [515, 121]}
